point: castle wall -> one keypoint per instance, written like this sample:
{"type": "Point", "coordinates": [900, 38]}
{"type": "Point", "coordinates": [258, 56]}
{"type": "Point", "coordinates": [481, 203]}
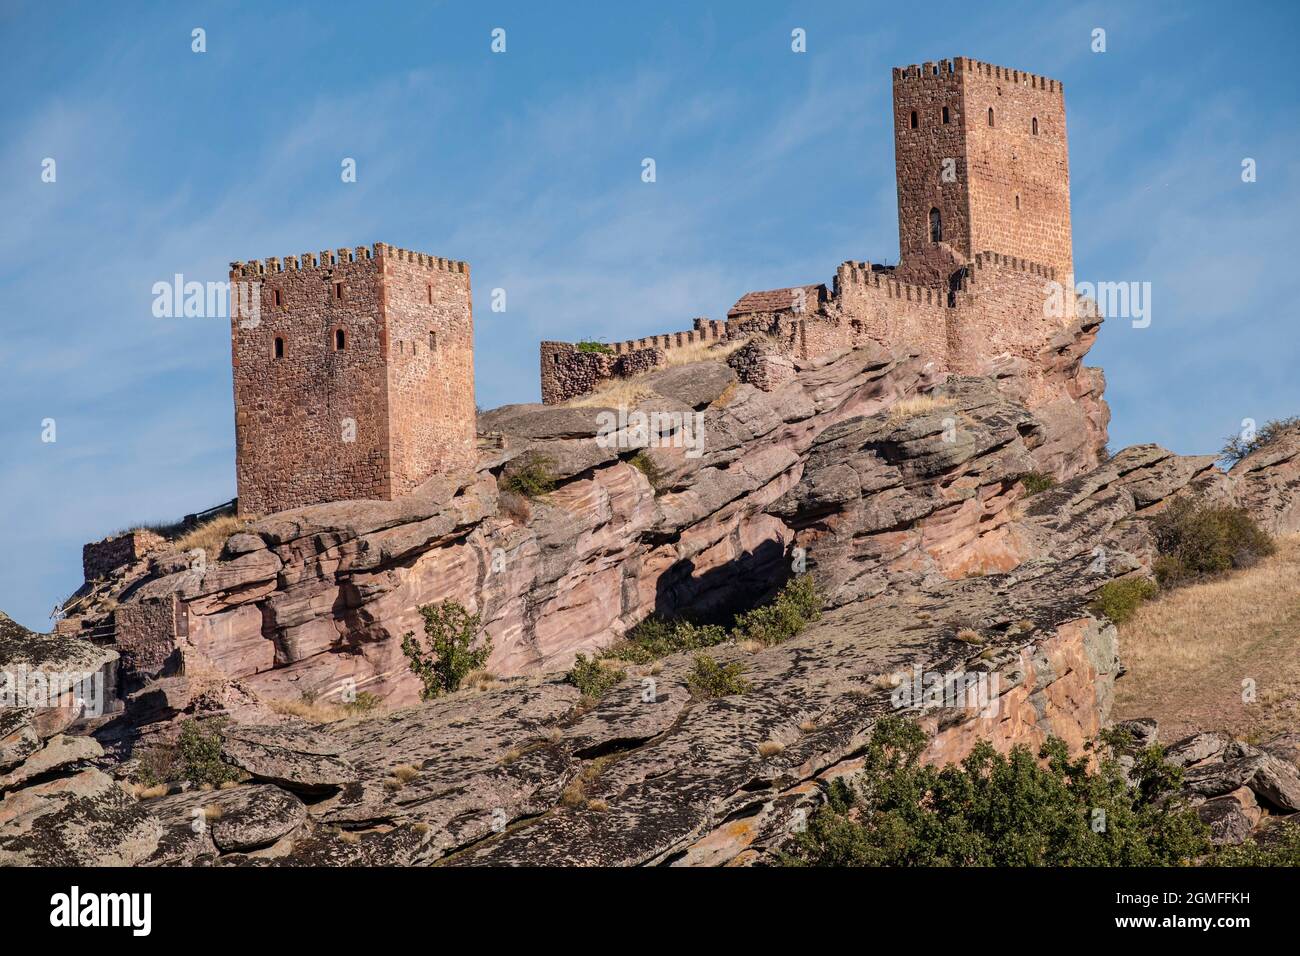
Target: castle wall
{"type": "Point", "coordinates": [1005, 311]}
{"type": "Point", "coordinates": [101, 558]}
{"type": "Point", "coordinates": [895, 314]}
{"type": "Point", "coordinates": [567, 372]}
{"type": "Point", "coordinates": [312, 425]}
{"type": "Point", "coordinates": [429, 345]}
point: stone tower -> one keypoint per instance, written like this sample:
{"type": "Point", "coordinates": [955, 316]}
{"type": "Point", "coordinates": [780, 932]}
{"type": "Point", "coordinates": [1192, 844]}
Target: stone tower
{"type": "Point", "coordinates": [982, 165]}
{"type": "Point", "coordinates": [353, 374]}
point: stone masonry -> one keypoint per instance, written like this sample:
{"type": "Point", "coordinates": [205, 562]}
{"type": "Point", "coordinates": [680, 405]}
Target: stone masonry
{"type": "Point", "coordinates": [353, 375]}
{"type": "Point", "coordinates": [985, 271]}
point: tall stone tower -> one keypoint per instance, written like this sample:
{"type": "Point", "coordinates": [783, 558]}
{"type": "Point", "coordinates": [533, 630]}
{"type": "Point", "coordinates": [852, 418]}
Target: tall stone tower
{"type": "Point", "coordinates": [983, 166]}
{"type": "Point", "coordinates": [353, 373]}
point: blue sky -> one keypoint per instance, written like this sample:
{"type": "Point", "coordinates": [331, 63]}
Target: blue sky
{"type": "Point", "coordinates": [772, 168]}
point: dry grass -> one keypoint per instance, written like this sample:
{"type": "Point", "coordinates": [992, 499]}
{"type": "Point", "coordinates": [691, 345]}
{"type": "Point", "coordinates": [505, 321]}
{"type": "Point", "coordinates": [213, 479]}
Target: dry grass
{"type": "Point", "coordinates": [141, 792]}
{"type": "Point", "coordinates": [347, 836]}
{"type": "Point", "coordinates": [1188, 653]}
{"type": "Point", "coordinates": [917, 405]}
{"type": "Point", "coordinates": [211, 536]}
{"type": "Point", "coordinates": [629, 391]}
{"type": "Point", "coordinates": [212, 812]}
{"type": "Point", "coordinates": [599, 806]}
{"type": "Point", "coordinates": [481, 681]}
{"type": "Point", "coordinates": [614, 392]}
{"type": "Point", "coordinates": [770, 748]}
{"type": "Point", "coordinates": [807, 727]}
{"type": "Point", "coordinates": [314, 711]}
{"type": "Point", "coordinates": [406, 773]}
{"type": "Point", "coordinates": [969, 636]}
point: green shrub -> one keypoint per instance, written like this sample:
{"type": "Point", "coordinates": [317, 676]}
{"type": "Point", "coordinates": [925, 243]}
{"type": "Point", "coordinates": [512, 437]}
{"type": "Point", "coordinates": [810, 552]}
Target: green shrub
{"type": "Point", "coordinates": [794, 606]}
{"type": "Point", "coordinates": [589, 345]}
{"type": "Point", "coordinates": [709, 679]}
{"type": "Point", "coordinates": [198, 749]}
{"type": "Point", "coordinates": [1196, 539]}
{"type": "Point", "coordinates": [655, 637]}
{"type": "Point", "coordinates": [797, 604]}
{"type": "Point", "coordinates": [1036, 481]}
{"type": "Point", "coordinates": [448, 653]}
{"type": "Point", "coordinates": [593, 677]}
{"type": "Point", "coordinates": [1281, 849]}
{"type": "Point", "coordinates": [1236, 448]}
{"type": "Point", "coordinates": [532, 479]}
{"type": "Point", "coordinates": [992, 809]}
{"type": "Point", "coordinates": [1119, 600]}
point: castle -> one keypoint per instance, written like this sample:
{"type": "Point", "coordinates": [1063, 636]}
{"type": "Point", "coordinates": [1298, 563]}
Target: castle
{"type": "Point", "coordinates": [985, 273]}
{"type": "Point", "coordinates": [355, 379]}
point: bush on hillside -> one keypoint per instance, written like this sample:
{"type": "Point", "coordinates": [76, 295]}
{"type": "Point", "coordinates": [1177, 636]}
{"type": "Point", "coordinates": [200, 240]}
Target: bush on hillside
{"type": "Point", "coordinates": [1016, 809]}
{"type": "Point", "coordinates": [447, 654]}
{"type": "Point", "coordinates": [1196, 539]}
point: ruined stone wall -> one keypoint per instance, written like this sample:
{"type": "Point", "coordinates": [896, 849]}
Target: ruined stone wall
{"type": "Point", "coordinates": [567, 372]}
{"type": "Point", "coordinates": [145, 635]}
{"type": "Point", "coordinates": [312, 424]}
{"type": "Point", "coordinates": [101, 558]}
{"type": "Point", "coordinates": [430, 358]}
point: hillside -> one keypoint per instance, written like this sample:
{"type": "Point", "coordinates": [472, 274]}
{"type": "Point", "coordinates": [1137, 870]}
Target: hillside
{"type": "Point", "coordinates": [1187, 654]}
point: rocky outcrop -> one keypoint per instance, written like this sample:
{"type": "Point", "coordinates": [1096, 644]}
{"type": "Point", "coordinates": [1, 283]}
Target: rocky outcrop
{"type": "Point", "coordinates": [317, 599]}
{"type": "Point", "coordinates": [1238, 790]}
{"type": "Point", "coordinates": [55, 809]}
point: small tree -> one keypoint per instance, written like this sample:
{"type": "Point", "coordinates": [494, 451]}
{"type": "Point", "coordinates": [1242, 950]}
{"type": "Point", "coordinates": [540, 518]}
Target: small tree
{"type": "Point", "coordinates": [447, 654]}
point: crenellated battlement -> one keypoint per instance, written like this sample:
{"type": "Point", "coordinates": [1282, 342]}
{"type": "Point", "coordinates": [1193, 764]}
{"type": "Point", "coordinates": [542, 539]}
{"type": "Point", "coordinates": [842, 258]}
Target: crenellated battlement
{"type": "Point", "coordinates": [332, 258]}
{"type": "Point", "coordinates": [706, 330]}
{"type": "Point", "coordinates": [852, 274]}
{"type": "Point", "coordinates": [935, 69]}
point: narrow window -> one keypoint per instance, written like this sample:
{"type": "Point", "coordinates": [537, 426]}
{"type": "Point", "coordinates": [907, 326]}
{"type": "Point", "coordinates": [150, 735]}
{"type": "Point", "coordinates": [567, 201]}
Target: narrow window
{"type": "Point", "coordinates": [913, 119]}
{"type": "Point", "coordinates": [340, 340]}
{"type": "Point", "coordinates": [430, 287]}
{"type": "Point", "coordinates": [338, 291]}
{"type": "Point", "coordinates": [279, 347]}
{"type": "Point", "coordinates": [275, 297]}
{"type": "Point", "coordinates": [1017, 200]}
{"type": "Point", "coordinates": [945, 114]}
{"type": "Point", "coordinates": [990, 116]}
{"type": "Point", "coordinates": [433, 341]}
{"type": "Point", "coordinates": [1034, 127]}
{"type": "Point", "coordinates": [936, 226]}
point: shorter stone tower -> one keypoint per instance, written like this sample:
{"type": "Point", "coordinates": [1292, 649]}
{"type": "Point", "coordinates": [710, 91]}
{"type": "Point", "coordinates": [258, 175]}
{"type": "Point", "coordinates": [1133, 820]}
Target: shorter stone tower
{"type": "Point", "coordinates": [353, 374]}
